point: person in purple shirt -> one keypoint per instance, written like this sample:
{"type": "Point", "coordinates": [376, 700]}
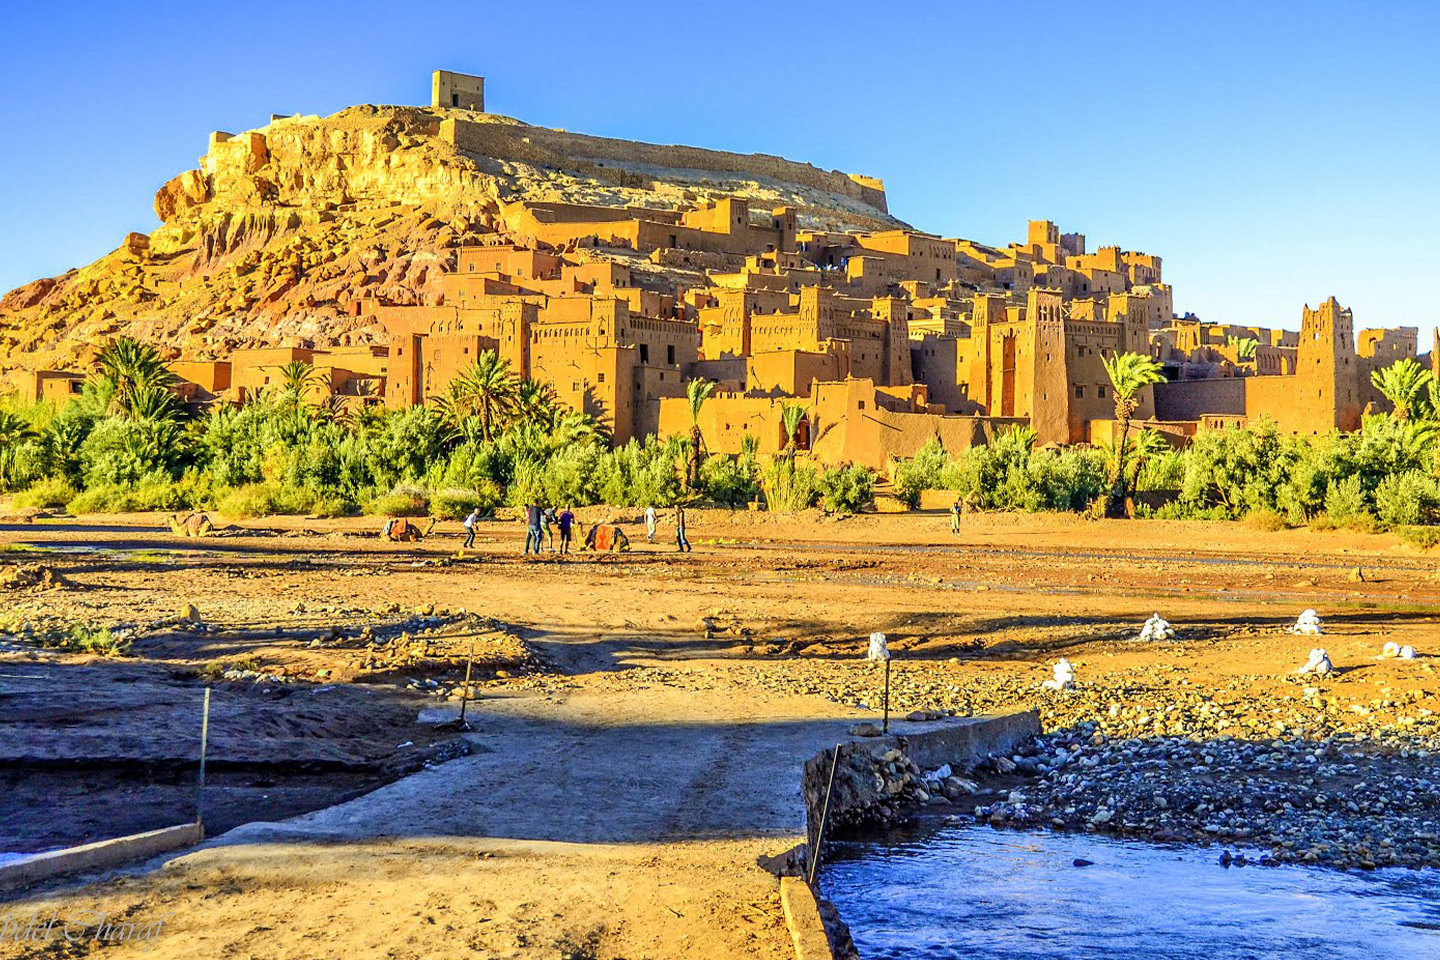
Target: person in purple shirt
{"type": "Point", "coordinates": [566, 519]}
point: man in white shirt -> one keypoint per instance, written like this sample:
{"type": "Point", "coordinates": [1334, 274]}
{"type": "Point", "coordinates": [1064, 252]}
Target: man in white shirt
{"type": "Point", "coordinates": [470, 528]}
{"type": "Point", "coordinates": [650, 522]}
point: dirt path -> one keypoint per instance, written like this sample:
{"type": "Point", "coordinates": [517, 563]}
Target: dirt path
{"type": "Point", "coordinates": [636, 816]}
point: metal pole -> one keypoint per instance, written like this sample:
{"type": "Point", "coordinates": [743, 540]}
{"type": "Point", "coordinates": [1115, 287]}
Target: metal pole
{"type": "Point", "coordinates": [465, 696]}
{"type": "Point", "coordinates": [824, 816]}
{"type": "Point", "coordinates": [885, 724]}
{"type": "Point", "coordinates": [204, 741]}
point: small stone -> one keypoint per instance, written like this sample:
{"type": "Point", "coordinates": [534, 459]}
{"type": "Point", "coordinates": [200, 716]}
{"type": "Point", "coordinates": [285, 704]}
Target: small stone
{"type": "Point", "coordinates": [865, 729]}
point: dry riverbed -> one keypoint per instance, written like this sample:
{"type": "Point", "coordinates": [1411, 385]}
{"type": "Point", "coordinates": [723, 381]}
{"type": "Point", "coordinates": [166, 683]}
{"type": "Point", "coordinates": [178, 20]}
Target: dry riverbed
{"type": "Point", "coordinates": [324, 645]}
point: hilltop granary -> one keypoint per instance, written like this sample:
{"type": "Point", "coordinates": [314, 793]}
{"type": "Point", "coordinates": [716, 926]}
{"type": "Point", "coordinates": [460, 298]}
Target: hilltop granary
{"type": "Point", "coordinates": [887, 337]}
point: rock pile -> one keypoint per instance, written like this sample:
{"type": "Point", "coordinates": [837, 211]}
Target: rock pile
{"type": "Point", "coordinates": [1319, 664]}
{"type": "Point", "coordinates": [1340, 801]}
{"type": "Point", "coordinates": [1156, 628]}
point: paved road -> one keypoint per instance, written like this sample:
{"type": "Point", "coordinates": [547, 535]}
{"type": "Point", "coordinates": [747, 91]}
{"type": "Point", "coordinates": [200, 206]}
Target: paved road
{"type": "Point", "coordinates": [638, 762]}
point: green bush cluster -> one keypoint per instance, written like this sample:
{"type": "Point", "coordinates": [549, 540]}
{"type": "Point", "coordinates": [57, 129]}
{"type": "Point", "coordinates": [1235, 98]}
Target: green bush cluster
{"type": "Point", "coordinates": [1007, 474]}
{"type": "Point", "coordinates": [126, 445]}
{"type": "Point", "coordinates": [1381, 476]}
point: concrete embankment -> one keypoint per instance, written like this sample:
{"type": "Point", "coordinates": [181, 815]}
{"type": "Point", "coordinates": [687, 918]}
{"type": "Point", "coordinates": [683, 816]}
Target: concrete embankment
{"type": "Point", "coordinates": [875, 780]}
{"type": "Point", "coordinates": [99, 856]}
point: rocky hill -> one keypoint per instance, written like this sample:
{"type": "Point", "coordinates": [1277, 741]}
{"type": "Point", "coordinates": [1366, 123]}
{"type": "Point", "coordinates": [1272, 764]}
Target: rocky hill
{"type": "Point", "coordinates": [280, 229]}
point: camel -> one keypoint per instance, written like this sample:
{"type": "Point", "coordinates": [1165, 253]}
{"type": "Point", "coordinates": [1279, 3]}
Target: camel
{"type": "Point", "coordinates": [606, 537]}
{"type": "Point", "coordinates": [191, 525]}
{"type": "Point", "coordinates": [402, 530]}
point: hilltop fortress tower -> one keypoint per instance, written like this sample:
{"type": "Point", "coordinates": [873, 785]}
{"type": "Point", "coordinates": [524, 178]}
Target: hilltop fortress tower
{"type": "Point", "coordinates": [457, 91]}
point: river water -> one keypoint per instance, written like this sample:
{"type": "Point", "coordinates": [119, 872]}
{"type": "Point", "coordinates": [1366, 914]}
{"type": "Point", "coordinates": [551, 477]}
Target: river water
{"type": "Point", "coordinates": [975, 892]}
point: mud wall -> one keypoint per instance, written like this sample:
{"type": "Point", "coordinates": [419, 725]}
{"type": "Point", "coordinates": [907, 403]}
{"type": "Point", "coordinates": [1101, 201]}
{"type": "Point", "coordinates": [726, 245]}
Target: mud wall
{"type": "Point", "coordinates": [540, 145]}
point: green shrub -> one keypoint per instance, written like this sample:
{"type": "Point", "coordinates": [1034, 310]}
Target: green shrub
{"type": "Point", "coordinates": [267, 499]}
{"type": "Point", "coordinates": [640, 474]}
{"type": "Point", "coordinates": [85, 638]}
{"type": "Point", "coordinates": [1266, 521]}
{"type": "Point", "coordinates": [920, 472]}
{"type": "Point", "coordinates": [47, 494]}
{"type": "Point", "coordinates": [452, 503]}
{"type": "Point", "coordinates": [1426, 537]}
{"type": "Point", "coordinates": [728, 480]}
{"type": "Point", "coordinates": [789, 486]}
{"type": "Point", "coordinates": [107, 498]}
{"type": "Point", "coordinates": [334, 505]}
{"type": "Point", "coordinates": [1406, 499]}
{"type": "Point", "coordinates": [403, 501]}
{"type": "Point", "coordinates": [1345, 501]}
{"type": "Point", "coordinates": [846, 489]}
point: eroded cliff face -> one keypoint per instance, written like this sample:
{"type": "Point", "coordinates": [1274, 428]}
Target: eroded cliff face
{"type": "Point", "coordinates": [281, 230]}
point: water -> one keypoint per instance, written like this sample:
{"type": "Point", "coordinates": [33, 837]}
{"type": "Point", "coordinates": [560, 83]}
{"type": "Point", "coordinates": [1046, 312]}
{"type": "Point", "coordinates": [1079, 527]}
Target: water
{"type": "Point", "coordinates": [976, 893]}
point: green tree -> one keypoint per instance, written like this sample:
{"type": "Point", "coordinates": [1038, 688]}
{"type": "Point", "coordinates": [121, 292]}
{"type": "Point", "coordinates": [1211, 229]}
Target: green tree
{"type": "Point", "coordinates": [14, 431]}
{"type": "Point", "coordinates": [127, 371]}
{"type": "Point", "coordinates": [488, 391]}
{"type": "Point", "coordinates": [1406, 385]}
{"type": "Point", "coordinates": [298, 378]}
{"type": "Point", "coordinates": [535, 400]}
{"type": "Point", "coordinates": [697, 392]}
{"type": "Point", "coordinates": [1129, 373]}
{"type": "Point", "coordinates": [791, 416]}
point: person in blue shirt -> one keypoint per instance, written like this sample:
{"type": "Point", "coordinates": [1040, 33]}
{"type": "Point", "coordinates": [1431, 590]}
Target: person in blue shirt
{"type": "Point", "coordinates": [566, 520]}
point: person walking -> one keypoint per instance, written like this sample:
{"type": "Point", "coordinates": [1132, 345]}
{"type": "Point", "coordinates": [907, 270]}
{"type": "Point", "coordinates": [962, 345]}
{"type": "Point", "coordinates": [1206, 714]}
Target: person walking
{"type": "Point", "coordinates": [470, 520]}
{"type": "Point", "coordinates": [650, 522]}
{"type": "Point", "coordinates": [955, 518]}
{"type": "Point", "coordinates": [547, 520]}
{"type": "Point", "coordinates": [532, 528]}
{"type": "Point", "coordinates": [681, 543]}
{"type": "Point", "coordinates": [566, 521]}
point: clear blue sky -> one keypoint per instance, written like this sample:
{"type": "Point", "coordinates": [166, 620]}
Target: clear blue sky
{"type": "Point", "coordinates": [1273, 153]}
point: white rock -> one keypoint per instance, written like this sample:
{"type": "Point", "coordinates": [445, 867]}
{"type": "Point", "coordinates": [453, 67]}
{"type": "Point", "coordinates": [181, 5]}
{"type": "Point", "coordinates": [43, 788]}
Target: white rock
{"type": "Point", "coordinates": [1407, 652]}
{"type": "Point", "coordinates": [879, 648]}
{"type": "Point", "coordinates": [1157, 628]}
{"type": "Point", "coordinates": [1308, 624]}
{"type": "Point", "coordinates": [1391, 649]}
{"type": "Point", "coordinates": [1318, 664]}
{"type": "Point", "coordinates": [1064, 677]}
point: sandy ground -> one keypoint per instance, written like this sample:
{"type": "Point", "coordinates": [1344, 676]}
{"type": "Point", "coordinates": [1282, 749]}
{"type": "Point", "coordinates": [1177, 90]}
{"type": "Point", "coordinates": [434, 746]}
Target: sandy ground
{"type": "Point", "coordinates": [623, 785]}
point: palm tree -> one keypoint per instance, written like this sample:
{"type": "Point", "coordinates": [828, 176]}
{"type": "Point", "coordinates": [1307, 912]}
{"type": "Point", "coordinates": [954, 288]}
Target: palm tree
{"type": "Point", "coordinates": [568, 428]}
{"type": "Point", "coordinates": [1244, 347]}
{"type": "Point", "coordinates": [486, 390]}
{"type": "Point", "coordinates": [697, 391]}
{"type": "Point", "coordinates": [1405, 384]}
{"type": "Point", "coordinates": [13, 431]}
{"type": "Point", "coordinates": [297, 378]}
{"type": "Point", "coordinates": [535, 400]}
{"type": "Point", "coordinates": [791, 416]}
{"type": "Point", "coordinates": [1149, 444]}
{"type": "Point", "coordinates": [126, 367]}
{"type": "Point", "coordinates": [1128, 373]}
{"type": "Point", "coordinates": [153, 403]}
